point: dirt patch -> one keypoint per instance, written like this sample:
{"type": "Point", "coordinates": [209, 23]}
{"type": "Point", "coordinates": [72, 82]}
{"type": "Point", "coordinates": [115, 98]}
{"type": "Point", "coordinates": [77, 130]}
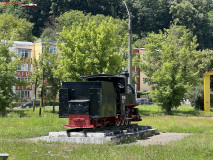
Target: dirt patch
{"type": "Point", "coordinates": [162, 138]}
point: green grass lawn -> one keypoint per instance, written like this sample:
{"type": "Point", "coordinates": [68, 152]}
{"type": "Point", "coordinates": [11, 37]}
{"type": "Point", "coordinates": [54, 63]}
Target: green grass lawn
{"type": "Point", "coordinates": [184, 110]}
{"type": "Point", "coordinates": [199, 145]}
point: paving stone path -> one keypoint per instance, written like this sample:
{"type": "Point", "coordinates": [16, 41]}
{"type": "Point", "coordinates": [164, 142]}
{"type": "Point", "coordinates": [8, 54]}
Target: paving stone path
{"type": "Point", "coordinates": [162, 138]}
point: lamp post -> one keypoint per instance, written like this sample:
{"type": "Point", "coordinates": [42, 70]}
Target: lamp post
{"type": "Point", "coordinates": [129, 46]}
{"type": "Point", "coordinates": [135, 82]}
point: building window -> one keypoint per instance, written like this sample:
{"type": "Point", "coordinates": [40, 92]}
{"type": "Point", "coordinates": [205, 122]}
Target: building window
{"type": "Point", "coordinates": [144, 56]}
{"type": "Point", "coordinates": [23, 94]}
{"type": "Point", "coordinates": [25, 53]}
{"type": "Point", "coordinates": [53, 49]}
{"type": "Point", "coordinates": [24, 79]}
{"type": "Point", "coordinates": [145, 80]}
{"type": "Point", "coordinates": [50, 49]}
{"type": "Point", "coordinates": [24, 67]}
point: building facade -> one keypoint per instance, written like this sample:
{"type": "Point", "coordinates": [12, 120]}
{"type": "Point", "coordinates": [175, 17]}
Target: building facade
{"type": "Point", "coordinates": [24, 50]}
{"type": "Point", "coordinates": [27, 51]}
{"type": "Point", "coordinates": [142, 79]}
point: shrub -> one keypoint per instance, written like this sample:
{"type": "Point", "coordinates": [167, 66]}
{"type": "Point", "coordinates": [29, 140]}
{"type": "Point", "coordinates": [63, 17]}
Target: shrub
{"type": "Point", "coordinates": [196, 97]}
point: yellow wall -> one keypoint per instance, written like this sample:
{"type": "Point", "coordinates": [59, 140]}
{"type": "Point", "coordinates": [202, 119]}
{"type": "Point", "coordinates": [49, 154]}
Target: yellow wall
{"type": "Point", "coordinates": [36, 52]}
{"type": "Point", "coordinates": [143, 86]}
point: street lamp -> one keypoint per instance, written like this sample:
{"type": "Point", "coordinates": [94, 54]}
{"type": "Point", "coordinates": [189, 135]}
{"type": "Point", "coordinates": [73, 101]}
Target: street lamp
{"type": "Point", "coordinates": [129, 46]}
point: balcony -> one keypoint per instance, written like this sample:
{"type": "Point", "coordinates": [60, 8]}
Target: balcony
{"type": "Point", "coordinates": [23, 88]}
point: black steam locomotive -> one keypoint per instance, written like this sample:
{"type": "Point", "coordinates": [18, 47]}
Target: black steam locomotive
{"type": "Point", "coordinates": [100, 101]}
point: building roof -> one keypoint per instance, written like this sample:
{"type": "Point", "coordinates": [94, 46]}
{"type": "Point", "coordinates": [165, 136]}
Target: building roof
{"type": "Point", "coordinates": [102, 76]}
{"type": "Point", "coordinates": [42, 40]}
{"type": "Point", "coordinates": [23, 43]}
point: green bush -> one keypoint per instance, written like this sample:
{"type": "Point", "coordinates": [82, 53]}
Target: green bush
{"type": "Point", "coordinates": [50, 103]}
{"type": "Point", "coordinates": [196, 97]}
{"type": "Point", "coordinates": [143, 93]}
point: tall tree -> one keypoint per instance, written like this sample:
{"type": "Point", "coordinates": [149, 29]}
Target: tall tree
{"type": "Point", "coordinates": [194, 15]}
{"type": "Point", "coordinates": [91, 49]}
{"type": "Point", "coordinates": [204, 63]}
{"type": "Point", "coordinates": [8, 67]}
{"type": "Point", "coordinates": [170, 65]}
{"type": "Point", "coordinates": [51, 66]}
{"type": "Point", "coordinates": [150, 16]}
{"type": "Point", "coordinates": [37, 15]}
{"type": "Point", "coordinates": [44, 73]}
{"type": "Point", "coordinates": [74, 17]}
{"type": "Point", "coordinates": [13, 28]}
{"type": "Point", "coordinates": [38, 79]}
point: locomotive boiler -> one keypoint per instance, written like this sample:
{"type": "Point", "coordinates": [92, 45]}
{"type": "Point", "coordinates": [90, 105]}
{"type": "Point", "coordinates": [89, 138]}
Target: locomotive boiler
{"type": "Point", "coordinates": [101, 100]}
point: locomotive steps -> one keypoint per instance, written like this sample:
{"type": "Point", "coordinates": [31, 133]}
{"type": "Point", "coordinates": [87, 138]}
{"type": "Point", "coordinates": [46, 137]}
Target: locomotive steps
{"type": "Point", "coordinates": [102, 135]}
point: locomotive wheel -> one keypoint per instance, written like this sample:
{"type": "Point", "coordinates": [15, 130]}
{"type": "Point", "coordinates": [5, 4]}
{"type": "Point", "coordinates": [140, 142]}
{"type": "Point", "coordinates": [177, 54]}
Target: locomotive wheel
{"type": "Point", "coordinates": [103, 123]}
{"type": "Point", "coordinates": [122, 122]}
{"type": "Point", "coordinates": [94, 123]}
{"type": "Point", "coordinates": [126, 122]}
{"type": "Point", "coordinates": [118, 123]}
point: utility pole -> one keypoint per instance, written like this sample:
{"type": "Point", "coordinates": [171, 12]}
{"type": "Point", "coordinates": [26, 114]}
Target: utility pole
{"type": "Point", "coordinates": [129, 46]}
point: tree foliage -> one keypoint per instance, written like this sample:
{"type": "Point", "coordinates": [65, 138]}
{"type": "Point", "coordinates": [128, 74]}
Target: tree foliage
{"type": "Point", "coordinates": [170, 65]}
{"type": "Point", "coordinates": [75, 17]}
{"type": "Point", "coordinates": [44, 73]}
{"type": "Point", "coordinates": [204, 63]}
{"type": "Point", "coordinates": [13, 28]}
{"type": "Point", "coordinates": [147, 16]}
{"type": "Point", "coordinates": [51, 67]}
{"type": "Point", "coordinates": [8, 67]}
{"type": "Point", "coordinates": [37, 15]}
{"type": "Point", "coordinates": [91, 49]}
{"type": "Point", "coordinates": [196, 96]}
{"type": "Point", "coordinates": [194, 15]}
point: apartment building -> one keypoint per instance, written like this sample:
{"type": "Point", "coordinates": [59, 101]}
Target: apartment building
{"type": "Point", "coordinates": [24, 50]}
{"type": "Point", "coordinates": [28, 51]}
{"type": "Point", "coordinates": [141, 77]}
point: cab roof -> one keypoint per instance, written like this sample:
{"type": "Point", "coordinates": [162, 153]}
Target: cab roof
{"type": "Point", "coordinates": [103, 76]}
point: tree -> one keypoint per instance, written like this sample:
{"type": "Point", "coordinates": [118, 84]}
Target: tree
{"type": "Point", "coordinates": [51, 66]}
{"type": "Point", "coordinates": [74, 17]}
{"type": "Point", "coordinates": [194, 15]}
{"type": "Point", "coordinates": [150, 16]}
{"type": "Point", "coordinates": [31, 14]}
{"type": "Point", "coordinates": [91, 49]}
{"type": "Point", "coordinates": [204, 63]}
{"type": "Point", "coordinates": [13, 28]}
{"type": "Point", "coordinates": [170, 65]}
{"type": "Point", "coordinates": [8, 67]}
{"type": "Point", "coordinates": [44, 74]}
{"type": "Point", "coordinates": [38, 79]}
